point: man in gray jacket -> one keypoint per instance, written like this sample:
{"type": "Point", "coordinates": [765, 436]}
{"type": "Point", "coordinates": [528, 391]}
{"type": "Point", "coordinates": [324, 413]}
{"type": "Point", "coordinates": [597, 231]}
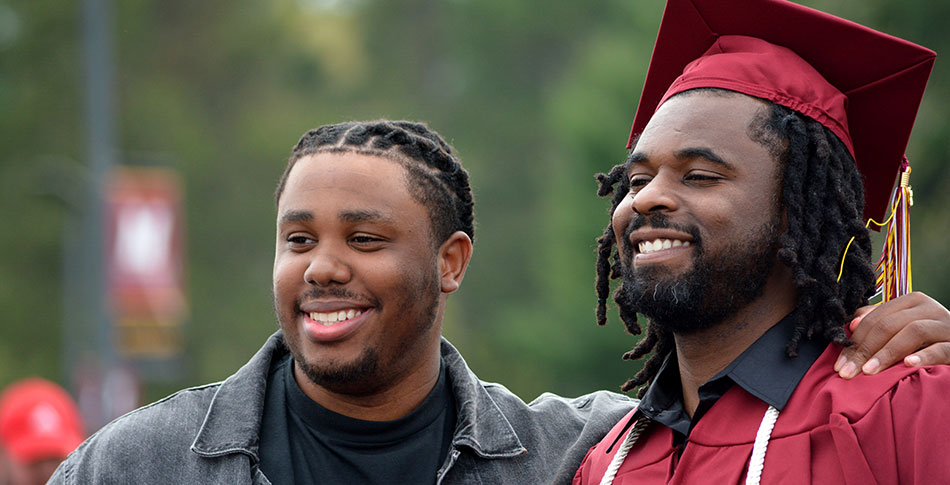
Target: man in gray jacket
{"type": "Point", "coordinates": [374, 230]}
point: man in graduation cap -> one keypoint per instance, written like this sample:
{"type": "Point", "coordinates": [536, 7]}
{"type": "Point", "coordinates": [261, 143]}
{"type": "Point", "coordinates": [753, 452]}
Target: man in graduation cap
{"type": "Point", "coordinates": [766, 136]}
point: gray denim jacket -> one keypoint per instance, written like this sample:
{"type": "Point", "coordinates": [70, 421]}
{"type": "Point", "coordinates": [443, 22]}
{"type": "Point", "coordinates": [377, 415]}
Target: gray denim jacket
{"type": "Point", "coordinates": [209, 434]}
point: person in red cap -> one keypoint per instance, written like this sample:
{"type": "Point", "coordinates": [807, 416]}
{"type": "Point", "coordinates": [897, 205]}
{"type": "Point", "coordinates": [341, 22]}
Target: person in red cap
{"type": "Point", "coordinates": [766, 136]}
{"type": "Point", "coordinates": [39, 427]}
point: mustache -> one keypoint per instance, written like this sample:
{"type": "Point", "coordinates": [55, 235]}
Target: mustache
{"type": "Point", "coordinates": [335, 292]}
{"type": "Point", "coordinates": [660, 220]}
{"type": "Point", "coordinates": [331, 292]}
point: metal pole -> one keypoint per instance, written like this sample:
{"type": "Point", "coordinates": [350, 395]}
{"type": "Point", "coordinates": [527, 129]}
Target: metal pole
{"type": "Point", "coordinates": [86, 276]}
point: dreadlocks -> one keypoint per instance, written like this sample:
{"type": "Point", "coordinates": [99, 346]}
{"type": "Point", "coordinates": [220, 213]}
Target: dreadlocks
{"type": "Point", "coordinates": [823, 200]}
{"type": "Point", "coordinates": [437, 179]}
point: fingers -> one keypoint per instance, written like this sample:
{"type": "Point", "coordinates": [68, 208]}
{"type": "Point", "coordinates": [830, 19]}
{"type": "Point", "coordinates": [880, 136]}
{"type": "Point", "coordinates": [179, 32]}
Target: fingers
{"type": "Point", "coordinates": [935, 354]}
{"type": "Point", "coordinates": [906, 342]}
{"type": "Point", "coordinates": [876, 329]}
{"type": "Point", "coordinates": [859, 314]}
{"type": "Point", "coordinates": [885, 334]}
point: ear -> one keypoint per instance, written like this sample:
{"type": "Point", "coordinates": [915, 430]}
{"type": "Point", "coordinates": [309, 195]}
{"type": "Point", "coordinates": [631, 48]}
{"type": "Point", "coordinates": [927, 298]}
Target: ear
{"type": "Point", "coordinates": [454, 255]}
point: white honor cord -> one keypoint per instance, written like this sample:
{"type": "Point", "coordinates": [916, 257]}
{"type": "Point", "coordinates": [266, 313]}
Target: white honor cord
{"type": "Point", "coordinates": [762, 436]}
{"type": "Point", "coordinates": [756, 463]}
{"type": "Point", "coordinates": [623, 450]}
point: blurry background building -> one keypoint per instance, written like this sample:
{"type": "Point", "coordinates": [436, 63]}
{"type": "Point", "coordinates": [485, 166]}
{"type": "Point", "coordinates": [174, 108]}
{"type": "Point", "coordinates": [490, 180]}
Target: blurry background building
{"type": "Point", "coordinates": [209, 97]}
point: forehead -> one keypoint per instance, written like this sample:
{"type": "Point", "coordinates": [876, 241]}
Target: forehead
{"type": "Point", "coordinates": [717, 121]}
{"type": "Point", "coordinates": [346, 180]}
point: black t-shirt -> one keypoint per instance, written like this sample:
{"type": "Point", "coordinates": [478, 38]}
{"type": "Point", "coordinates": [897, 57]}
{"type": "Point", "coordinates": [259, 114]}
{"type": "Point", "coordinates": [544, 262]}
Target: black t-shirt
{"type": "Point", "coordinates": [303, 442]}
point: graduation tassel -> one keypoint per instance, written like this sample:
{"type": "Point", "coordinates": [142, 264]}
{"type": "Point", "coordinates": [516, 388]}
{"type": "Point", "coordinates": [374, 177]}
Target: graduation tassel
{"type": "Point", "coordinates": [893, 273]}
{"type": "Point", "coordinates": [894, 268]}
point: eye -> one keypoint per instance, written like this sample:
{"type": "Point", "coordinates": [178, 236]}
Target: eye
{"type": "Point", "coordinates": [638, 181]}
{"type": "Point", "coordinates": [300, 242]}
{"type": "Point", "coordinates": [702, 178]}
{"type": "Point", "coordinates": [367, 242]}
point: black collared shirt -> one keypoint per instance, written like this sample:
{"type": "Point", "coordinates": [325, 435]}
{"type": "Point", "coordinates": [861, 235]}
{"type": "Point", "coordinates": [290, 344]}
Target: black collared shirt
{"type": "Point", "coordinates": [763, 370]}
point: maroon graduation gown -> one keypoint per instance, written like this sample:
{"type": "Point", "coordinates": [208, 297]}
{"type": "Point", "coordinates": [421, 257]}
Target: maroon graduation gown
{"type": "Point", "coordinates": [889, 428]}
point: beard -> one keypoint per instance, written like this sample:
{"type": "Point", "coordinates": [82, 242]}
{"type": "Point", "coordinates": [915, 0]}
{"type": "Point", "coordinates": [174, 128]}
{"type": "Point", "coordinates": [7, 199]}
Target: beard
{"type": "Point", "coordinates": [350, 378]}
{"type": "Point", "coordinates": [367, 374]}
{"type": "Point", "coordinates": [715, 288]}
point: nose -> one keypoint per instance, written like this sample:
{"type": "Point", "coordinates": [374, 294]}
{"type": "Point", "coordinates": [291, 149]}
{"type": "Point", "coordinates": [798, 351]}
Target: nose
{"type": "Point", "coordinates": [325, 269]}
{"type": "Point", "coordinates": [657, 195]}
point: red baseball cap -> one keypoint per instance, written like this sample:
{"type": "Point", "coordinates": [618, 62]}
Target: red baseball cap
{"type": "Point", "coordinates": [38, 420]}
{"type": "Point", "coordinates": [863, 85]}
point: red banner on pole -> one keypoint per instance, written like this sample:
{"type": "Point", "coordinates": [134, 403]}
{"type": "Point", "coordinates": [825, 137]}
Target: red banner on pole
{"type": "Point", "coordinates": [145, 257]}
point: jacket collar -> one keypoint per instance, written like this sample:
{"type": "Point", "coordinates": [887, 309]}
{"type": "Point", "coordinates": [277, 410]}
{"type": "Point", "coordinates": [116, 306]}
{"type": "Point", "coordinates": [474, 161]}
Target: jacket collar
{"type": "Point", "coordinates": [232, 423]}
{"type": "Point", "coordinates": [481, 424]}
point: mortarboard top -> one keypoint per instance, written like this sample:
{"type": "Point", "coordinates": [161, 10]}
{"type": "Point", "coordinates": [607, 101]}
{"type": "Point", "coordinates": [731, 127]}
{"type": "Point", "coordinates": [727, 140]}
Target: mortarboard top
{"type": "Point", "coordinates": [863, 85]}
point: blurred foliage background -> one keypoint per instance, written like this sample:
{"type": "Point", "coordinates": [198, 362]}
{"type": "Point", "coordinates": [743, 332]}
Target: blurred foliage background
{"type": "Point", "coordinates": [536, 96]}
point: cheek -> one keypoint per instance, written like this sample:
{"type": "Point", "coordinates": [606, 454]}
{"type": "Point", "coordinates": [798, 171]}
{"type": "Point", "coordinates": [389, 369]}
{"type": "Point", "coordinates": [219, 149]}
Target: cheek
{"type": "Point", "coordinates": [621, 218]}
{"type": "Point", "coordinates": [721, 222]}
{"type": "Point", "coordinates": [724, 210]}
{"type": "Point", "coordinates": [409, 278]}
{"type": "Point", "coordinates": [412, 271]}
{"type": "Point", "coordinates": [286, 274]}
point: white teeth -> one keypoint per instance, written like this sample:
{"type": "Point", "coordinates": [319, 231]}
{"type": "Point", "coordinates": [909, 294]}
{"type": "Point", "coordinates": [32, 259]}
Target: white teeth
{"type": "Point", "coordinates": [328, 319]}
{"type": "Point", "coordinates": [647, 247]}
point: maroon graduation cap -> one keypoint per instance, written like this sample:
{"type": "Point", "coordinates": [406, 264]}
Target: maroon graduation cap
{"type": "Point", "coordinates": [863, 85]}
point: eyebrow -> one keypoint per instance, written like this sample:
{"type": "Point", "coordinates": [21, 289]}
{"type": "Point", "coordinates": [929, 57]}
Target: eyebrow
{"type": "Point", "coordinates": [364, 216]}
{"type": "Point", "coordinates": [686, 153]}
{"type": "Point", "coordinates": [706, 153]}
{"type": "Point", "coordinates": [637, 157]}
{"type": "Point", "coordinates": [296, 216]}
{"type": "Point", "coordinates": [350, 216]}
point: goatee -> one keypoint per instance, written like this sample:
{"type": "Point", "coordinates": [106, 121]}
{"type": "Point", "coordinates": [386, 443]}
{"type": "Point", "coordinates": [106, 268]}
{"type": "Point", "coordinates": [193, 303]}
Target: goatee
{"type": "Point", "coordinates": [355, 378]}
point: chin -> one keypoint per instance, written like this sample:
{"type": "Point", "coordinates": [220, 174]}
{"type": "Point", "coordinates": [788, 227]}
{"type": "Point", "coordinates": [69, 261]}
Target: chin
{"type": "Point", "coordinates": [359, 376]}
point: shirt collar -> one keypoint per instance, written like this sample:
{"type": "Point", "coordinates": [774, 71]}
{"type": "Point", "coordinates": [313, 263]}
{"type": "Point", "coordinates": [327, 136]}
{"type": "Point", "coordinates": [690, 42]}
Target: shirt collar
{"type": "Point", "coordinates": [763, 370]}
{"type": "Point", "coordinates": [346, 429]}
{"type": "Point", "coordinates": [766, 371]}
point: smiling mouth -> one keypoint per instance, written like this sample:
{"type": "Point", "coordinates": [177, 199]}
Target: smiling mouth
{"type": "Point", "coordinates": [332, 318]}
{"type": "Point", "coordinates": [647, 247]}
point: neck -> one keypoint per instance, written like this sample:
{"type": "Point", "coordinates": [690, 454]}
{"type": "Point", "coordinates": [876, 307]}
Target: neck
{"type": "Point", "coordinates": [702, 354]}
